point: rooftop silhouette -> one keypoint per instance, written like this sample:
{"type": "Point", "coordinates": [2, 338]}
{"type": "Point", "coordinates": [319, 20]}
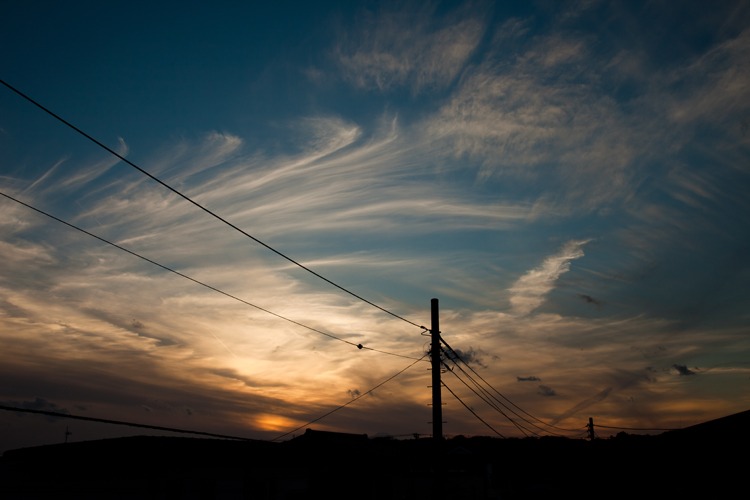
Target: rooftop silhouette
{"type": "Point", "coordinates": [322, 464]}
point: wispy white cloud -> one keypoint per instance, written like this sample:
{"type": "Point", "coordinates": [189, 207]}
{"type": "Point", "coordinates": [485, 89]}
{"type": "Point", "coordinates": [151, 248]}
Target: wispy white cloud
{"type": "Point", "coordinates": [534, 110]}
{"type": "Point", "coordinates": [520, 124]}
{"type": "Point", "coordinates": [715, 88]}
{"type": "Point", "coordinates": [25, 252]}
{"type": "Point", "coordinates": [529, 291]}
{"type": "Point", "coordinates": [555, 51]}
{"type": "Point", "coordinates": [179, 161]}
{"type": "Point", "coordinates": [391, 212]}
{"type": "Point", "coordinates": [99, 168]}
{"type": "Point", "coordinates": [338, 183]}
{"type": "Point", "coordinates": [409, 46]}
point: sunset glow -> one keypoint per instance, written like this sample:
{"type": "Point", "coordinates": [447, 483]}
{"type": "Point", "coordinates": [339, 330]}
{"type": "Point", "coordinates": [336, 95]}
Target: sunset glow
{"type": "Point", "coordinates": [278, 192]}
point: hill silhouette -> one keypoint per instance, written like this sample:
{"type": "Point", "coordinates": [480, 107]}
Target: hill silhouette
{"type": "Point", "coordinates": [703, 460]}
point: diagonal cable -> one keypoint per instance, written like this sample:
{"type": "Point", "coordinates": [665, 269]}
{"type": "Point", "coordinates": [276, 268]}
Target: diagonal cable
{"type": "Point", "coordinates": [472, 411]}
{"type": "Point", "coordinates": [213, 214]}
{"type": "Point", "coordinates": [350, 402]}
{"type": "Point", "coordinates": [503, 396]}
{"type": "Point", "coordinates": [490, 403]}
{"type": "Point", "coordinates": [359, 346]}
{"type": "Point", "coordinates": [118, 422]}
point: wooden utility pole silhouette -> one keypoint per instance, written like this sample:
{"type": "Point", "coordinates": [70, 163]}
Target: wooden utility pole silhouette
{"type": "Point", "coordinates": [591, 429]}
{"type": "Point", "coordinates": [437, 403]}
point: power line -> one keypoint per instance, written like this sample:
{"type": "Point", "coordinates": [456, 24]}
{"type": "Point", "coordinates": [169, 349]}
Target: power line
{"type": "Point", "coordinates": [64, 415]}
{"type": "Point", "coordinates": [119, 422]}
{"type": "Point", "coordinates": [520, 417]}
{"type": "Point", "coordinates": [503, 396]}
{"type": "Point", "coordinates": [358, 346]}
{"type": "Point", "coordinates": [517, 424]}
{"type": "Point", "coordinates": [458, 356]}
{"type": "Point", "coordinates": [471, 410]}
{"type": "Point", "coordinates": [483, 398]}
{"type": "Point", "coordinates": [187, 198]}
{"type": "Point", "coordinates": [202, 433]}
{"type": "Point", "coordinates": [495, 406]}
{"type": "Point", "coordinates": [350, 402]}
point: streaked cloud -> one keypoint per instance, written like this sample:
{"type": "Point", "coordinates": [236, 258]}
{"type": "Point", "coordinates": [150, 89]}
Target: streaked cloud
{"type": "Point", "coordinates": [457, 152]}
{"type": "Point", "coordinates": [179, 161]}
{"type": "Point", "coordinates": [401, 45]}
{"type": "Point", "coordinates": [714, 87]}
{"type": "Point", "coordinates": [529, 291]}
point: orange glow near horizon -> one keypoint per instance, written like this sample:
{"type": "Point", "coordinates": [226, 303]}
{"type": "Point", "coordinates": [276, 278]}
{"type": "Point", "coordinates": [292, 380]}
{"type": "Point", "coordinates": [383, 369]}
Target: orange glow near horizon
{"type": "Point", "coordinates": [276, 423]}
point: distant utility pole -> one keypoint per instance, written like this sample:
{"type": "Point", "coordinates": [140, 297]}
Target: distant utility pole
{"type": "Point", "coordinates": [592, 436]}
{"type": "Point", "coordinates": [437, 403]}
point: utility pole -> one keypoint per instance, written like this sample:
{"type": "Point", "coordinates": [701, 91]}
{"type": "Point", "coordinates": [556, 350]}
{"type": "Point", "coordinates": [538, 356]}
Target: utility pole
{"type": "Point", "coordinates": [437, 403]}
{"type": "Point", "coordinates": [592, 436]}
{"type": "Point", "coordinates": [438, 467]}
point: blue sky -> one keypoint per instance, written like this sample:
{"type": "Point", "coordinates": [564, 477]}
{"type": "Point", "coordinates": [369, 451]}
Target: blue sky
{"type": "Point", "coordinates": [569, 179]}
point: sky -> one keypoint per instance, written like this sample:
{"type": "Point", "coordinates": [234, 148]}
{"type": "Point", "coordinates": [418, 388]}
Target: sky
{"type": "Point", "coordinates": [208, 206]}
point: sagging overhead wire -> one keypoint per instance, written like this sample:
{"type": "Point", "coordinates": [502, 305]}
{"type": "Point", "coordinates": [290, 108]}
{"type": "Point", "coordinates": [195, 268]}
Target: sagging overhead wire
{"type": "Point", "coordinates": [166, 268]}
{"type": "Point", "coordinates": [119, 422]}
{"type": "Point", "coordinates": [518, 417]}
{"type": "Point", "coordinates": [495, 403]}
{"type": "Point", "coordinates": [350, 402]}
{"type": "Point", "coordinates": [486, 400]}
{"type": "Point", "coordinates": [458, 357]}
{"type": "Point", "coordinates": [198, 205]}
{"type": "Point", "coordinates": [471, 410]}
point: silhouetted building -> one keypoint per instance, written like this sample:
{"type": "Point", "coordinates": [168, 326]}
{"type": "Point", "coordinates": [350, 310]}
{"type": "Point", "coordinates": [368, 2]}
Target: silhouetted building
{"type": "Point", "coordinates": [705, 460]}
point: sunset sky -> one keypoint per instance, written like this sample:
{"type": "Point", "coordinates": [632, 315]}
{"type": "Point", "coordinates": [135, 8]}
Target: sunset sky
{"type": "Point", "coordinates": [569, 179]}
